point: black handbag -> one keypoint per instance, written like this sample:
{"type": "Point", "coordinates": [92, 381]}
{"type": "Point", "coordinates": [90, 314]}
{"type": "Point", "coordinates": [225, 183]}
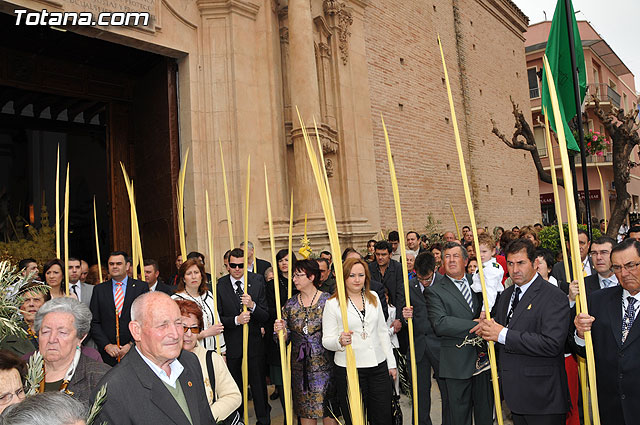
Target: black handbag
{"type": "Point", "coordinates": [234, 418]}
{"type": "Point", "coordinates": [396, 411]}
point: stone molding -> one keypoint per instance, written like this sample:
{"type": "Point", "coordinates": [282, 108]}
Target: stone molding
{"type": "Point", "coordinates": [245, 8]}
{"type": "Point", "coordinates": [343, 19]}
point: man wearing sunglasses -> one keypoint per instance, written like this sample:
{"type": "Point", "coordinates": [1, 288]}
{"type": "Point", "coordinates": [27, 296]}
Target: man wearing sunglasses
{"type": "Point", "coordinates": [614, 327]}
{"type": "Point", "coordinates": [232, 297]}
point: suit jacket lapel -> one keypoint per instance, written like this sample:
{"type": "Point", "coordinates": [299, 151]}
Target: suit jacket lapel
{"type": "Point", "coordinates": [190, 394]}
{"type": "Point", "coordinates": [130, 295]}
{"type": "Point", "coordinates": [160, 395]}
{"type": "Point", "coordinates": [450, 286]}
{"type": "Point", "coordinates": [526, 299]}
{"type": "Point", "coordinates": [417, 293]}
{"type": "Point", "coordinates": [232, 296]}
{"type": "Point", "coordinates": [615, 314]}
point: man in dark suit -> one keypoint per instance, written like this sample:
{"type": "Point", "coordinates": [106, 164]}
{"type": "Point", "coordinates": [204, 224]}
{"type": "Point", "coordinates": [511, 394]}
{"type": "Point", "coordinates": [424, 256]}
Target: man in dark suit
{"type": "Point", "coordinates": [600, 255]}
{"type": "Point", "coordinates": [389, 272]}
{"type": "Point", "coordinates": [158, 382]}
{"type": "Point", "coordinates": [453, 310]}
{"type": "Point", "coordinates": [587, 266]}
{"type": "Point", "coordinates": [530, 327]}
{"type": "Point", "coordinates": [256, 265]}
{"type": "Point", "coordinates": [374, 285]}
{"type": "Point", "coordinates": [614, 327]}
{"type": "Point", "coordinates": [231, 298]}
{"type": "Point", "coordinates": [427, 344]}
{"type": "Point", "coordinates": [151, 276]}
{"type": "Point", "coordinates": [103, 307]}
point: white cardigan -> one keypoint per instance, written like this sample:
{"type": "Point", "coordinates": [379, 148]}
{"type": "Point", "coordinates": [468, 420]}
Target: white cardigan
{"type": "Point", "coordinates": [369, 352]}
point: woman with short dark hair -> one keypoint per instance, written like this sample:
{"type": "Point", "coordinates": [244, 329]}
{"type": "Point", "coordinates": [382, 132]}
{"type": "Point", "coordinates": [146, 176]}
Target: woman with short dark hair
{"type": "Point", "coordinates": [271, 346]}
{"type": "Point", "coordinates": [311, 364]}
{"type": "Point", "coordinates": [12, 372]}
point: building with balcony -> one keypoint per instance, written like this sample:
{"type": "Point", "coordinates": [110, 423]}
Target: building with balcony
{"type": "Point", "coordinates": [612, 83]}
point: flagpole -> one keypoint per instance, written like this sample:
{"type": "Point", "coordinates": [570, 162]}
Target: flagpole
{"type": "Point", "coordinates": [576, 93]}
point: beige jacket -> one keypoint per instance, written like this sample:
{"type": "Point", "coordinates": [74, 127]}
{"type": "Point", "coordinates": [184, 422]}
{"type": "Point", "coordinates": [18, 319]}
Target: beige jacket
{"type": "Point", "coordinates": [228, 397]}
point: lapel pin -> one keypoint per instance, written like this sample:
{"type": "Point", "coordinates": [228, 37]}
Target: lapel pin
{"type": "Point", "coordinates": [529, 308]}
{"type": "Point", "coordinates": [189, 383]}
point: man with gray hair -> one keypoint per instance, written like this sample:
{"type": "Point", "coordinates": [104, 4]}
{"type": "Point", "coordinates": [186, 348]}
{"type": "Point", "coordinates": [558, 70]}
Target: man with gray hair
{"type": "Point", "coordinates": [255, 265]}
{"type": "Point", "coordinates": [52, 408]}
{"type": "Point", "coordinates": [453, 310]}
{"type": "Point", "coordinates": [157, 382]}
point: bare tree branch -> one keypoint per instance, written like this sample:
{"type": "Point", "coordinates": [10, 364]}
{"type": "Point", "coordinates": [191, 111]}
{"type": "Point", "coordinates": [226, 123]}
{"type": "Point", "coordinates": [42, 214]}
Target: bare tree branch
{"type": "Point", "coordinates": [623, 130]}
{"type": "Point", "coordinates": [524, 139]}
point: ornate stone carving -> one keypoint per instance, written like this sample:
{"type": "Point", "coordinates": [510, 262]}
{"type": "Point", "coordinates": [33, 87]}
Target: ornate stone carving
{"type": "Point", "coordinates": [284, 35]}
{"type": "Point", "coordinates": [328, 165]}
{"type": "Point", "coordinates": [325, 50]}
{"type": "Point", "coordinates": [342, 20]}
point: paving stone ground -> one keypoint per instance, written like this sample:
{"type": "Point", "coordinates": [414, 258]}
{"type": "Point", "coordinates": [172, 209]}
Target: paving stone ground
{"type": "Point", "coordinates": [277, 417]}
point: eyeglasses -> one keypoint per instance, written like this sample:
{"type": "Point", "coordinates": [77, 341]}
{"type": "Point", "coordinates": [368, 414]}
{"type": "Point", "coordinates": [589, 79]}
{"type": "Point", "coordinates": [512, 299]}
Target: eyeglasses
{"type": "Point", "coordinates": [299, 275]}
{"type": "Point", "coordinates": [236, 265]}
{"type": "Point", "coordinates": [6, 398]}
{"type": "Point", "coordinates": [617, 268]}
{"type": "Point", "coordinates": [194, 329]}
{"type": "Point", "coordinates": [425, 279]}
{"type": "Point", "coordinates": [604, 253]}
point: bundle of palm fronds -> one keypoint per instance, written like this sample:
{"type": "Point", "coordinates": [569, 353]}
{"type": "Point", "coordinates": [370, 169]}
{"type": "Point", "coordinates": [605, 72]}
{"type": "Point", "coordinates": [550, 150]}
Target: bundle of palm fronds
{"type": "Point", "coordinates": [404, 375]}
{"type": "Point", "coordinates": [11, 282]}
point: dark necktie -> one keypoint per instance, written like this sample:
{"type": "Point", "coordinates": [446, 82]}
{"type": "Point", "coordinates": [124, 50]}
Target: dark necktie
{"type": "Point", "coordinates": [75, 291]}
{"type": "Point", "coordinates": [629, 317]}
{"type": "Point", "coordinates": [514, 304]}
{"type": "Point", "coordinates": [239, 291]}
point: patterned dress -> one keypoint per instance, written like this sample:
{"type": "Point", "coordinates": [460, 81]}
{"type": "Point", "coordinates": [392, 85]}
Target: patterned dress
{"type": "Point", "coordinates": [311, 363]}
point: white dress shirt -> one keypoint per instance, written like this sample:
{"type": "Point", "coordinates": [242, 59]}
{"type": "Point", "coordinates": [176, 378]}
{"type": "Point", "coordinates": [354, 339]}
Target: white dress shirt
{"type": "Point", "coordinates": [369, 352]}
{"type": "Point", "coordinates": [175, 366]}
{"type": "Point", "coordinates": [239, 283]}
{"type": "Point", "coordinates": [586, 267]}
{"type": "Point", "coordinates": [78, 289]}
{"type": "Point", "coordinates": [613, 281]}
{"type": "Point", "coordinates": [502, 336]}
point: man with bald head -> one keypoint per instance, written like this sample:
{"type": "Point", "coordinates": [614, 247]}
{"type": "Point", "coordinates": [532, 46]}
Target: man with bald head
{"type": "Point", "coordinates": [157, 382]}
{"type": "Point", "coordinates": [448, 237]}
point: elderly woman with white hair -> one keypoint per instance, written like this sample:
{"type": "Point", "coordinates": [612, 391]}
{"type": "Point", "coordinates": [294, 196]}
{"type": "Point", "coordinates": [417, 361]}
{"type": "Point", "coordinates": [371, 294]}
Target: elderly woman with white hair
{"type": "Point", "coordinates": [46, 409]}
{"type": "Point", "coordinates": [61, 325]}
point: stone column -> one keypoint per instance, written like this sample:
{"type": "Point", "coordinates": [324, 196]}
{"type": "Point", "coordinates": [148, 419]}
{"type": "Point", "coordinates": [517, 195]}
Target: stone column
{"type": "Point", "coordinates": [305, 95]}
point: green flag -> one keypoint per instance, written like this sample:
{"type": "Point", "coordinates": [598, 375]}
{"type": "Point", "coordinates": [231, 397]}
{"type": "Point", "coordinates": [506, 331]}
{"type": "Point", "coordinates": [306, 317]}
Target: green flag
{"type": "Point", "coordinates": [559, 56]}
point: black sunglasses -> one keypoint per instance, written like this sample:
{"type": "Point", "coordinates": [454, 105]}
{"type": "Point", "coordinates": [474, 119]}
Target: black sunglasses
{"type": "Point", "coordinates": [194, 329]}
{"type": "Point", "coordinates": [236, 265]}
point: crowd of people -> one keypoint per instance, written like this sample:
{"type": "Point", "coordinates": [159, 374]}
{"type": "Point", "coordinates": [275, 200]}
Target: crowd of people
{"type": "Point", "coordinates": [170, 353]}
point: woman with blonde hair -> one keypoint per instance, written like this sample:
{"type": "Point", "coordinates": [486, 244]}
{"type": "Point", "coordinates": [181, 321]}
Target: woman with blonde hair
{"type": "Point", "coordinates": [529, 232]}
{"type": "Point", "coordinates": [369, 339]}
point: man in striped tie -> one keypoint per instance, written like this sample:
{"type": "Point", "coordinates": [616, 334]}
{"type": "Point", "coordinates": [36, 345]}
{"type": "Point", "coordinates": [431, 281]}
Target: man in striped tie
{"type": "Point", "coordinates": [454, 310]}
{"type": "Point", "coordinates": [111, 309]}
